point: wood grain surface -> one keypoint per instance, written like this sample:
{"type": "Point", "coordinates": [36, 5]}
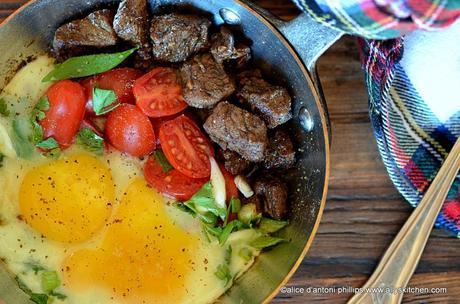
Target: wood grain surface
{"type": "Point", "coordinates": [364, 211]}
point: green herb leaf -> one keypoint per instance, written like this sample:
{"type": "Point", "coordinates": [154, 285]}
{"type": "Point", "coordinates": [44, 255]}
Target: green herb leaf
{"type": "Point", "coordinates": [48, 144]}
{"type": "Point", "coordinates": [103, 101]}
{"type": "Point", "coordinates": [34, 266]}
{"type": "Point", "coordinates": [214, 231]}
{"type": "Point", "coordinates": [58, 295]}
{"type": "Point", "coordinates": [21, 133]}
{"type": "Point", "coordinates": [245, 253]}
{"type": "Point", "coordinates": [50, 281]}
{"type": "Point", "coordinates": [223, 273]}
{"type": "Point", "coordinates": [236, 204]}
{"type": "Point", "coordinates": [228, 229]}
{"type": "Point", "coordinates": [2, 157]}
{"type": "Point", "coordinates": [91, 141]}
{"type": "Point", "coordinates": [204, 200]}
{"type": "Point", "coordinates": [4, 108]}
{"type": "Point", "coordinates": [83, 66]}
{"type": "Point", "coordinates": [43, 104]}
{"type": "Point", "coordinates": [39, 298]}
{"type": "Point", "coordinates": [163, 161]}
{"type": "Point", "coordinates": [268, 225]}
{"type": "Point", "coordinates": [265, 241]}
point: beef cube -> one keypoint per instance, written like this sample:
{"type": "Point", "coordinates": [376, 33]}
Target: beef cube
{"type": "Point", "coordinates": [223, 48]}
{"type": "Point", "coordinates": [131, 24]}
{"type": "Point", "coordinates": [235, 163]}
{"type": "Point", "coordinates": [175, 36]}
{"type": "Point", "coordinates": [205, 81]}
{"type": "Point", "coordinates": [272, 191]}
{"type": "Point", "coordinates": [238, 130]}
{"type": "Point", "coordinates": [93, 31]}
{"type": "Point", "coordinates": [271, 102]}
{"type": "Point", "coordinates": [280, 152]}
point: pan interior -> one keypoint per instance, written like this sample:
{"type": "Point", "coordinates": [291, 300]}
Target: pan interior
{"type": "Point", "coordinates": [29, 32]}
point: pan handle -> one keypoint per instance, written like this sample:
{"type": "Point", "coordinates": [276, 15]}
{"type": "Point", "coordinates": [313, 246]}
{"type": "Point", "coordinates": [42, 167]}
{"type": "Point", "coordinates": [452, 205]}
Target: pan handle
{"type": "Point", "coordinates": [309, 38]}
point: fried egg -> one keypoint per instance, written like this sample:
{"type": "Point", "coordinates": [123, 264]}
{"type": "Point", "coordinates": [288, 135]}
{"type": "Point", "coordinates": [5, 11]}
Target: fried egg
{"type": "Point", "coordinates": [93, 219]}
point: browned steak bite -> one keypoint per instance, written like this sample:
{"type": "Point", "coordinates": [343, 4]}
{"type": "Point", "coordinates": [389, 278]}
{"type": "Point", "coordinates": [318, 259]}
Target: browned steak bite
{"type": "Point", "coordinates": [205, 81]}
{"type": "Point", "coordinates": [280, 152]}
{"type": "Point", "coordinates": [235, 163]}
{"type": "Point", "coordinates": [175, 36]}
{"type": "Point", "coordinates": [131, 24]}
{"type": "Point", "coordinates": [273, 193]}
{"type": "Point", "coordinates": [223, 48]}
{"type": "Point", "coordinates": [94, 31]}
{"type": "Point", "coordinates": [238, 130]}
{"type": "Point", "coordinates": [271, 102]}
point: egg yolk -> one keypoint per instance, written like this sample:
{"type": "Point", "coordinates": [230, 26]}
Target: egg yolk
{"type": "Point", "coordinates": [68, 200]}
{"type": "Point", "coordinates": [144, 257]}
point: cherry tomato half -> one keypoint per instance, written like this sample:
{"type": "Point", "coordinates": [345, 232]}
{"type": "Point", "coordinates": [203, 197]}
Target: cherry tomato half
{"type": "Point", "coordinates": [120, 80]}
{"type": "Point", "coordinates": [159, 94]}
{"type": "Point", "coordinates": [186, 147]}
{"type": "Point", "coordinates": [130, 131]}
{"type": "Point", "coordinates": [173, 183]}
{"type": "Point", "coordinates": [66, 110]}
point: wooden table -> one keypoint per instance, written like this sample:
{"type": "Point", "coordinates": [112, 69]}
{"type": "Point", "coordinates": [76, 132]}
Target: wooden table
{"type": "Point", "coordinates": [364, 211]}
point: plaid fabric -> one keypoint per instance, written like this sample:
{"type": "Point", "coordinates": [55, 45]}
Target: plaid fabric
{"type": "Point", "coordinates": [412, 141]}
{"type": "Point", "coordinates": [382, 19]}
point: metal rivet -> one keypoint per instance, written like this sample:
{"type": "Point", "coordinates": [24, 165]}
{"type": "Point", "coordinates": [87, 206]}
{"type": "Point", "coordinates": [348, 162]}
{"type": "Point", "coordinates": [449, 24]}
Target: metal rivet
{"type": "Point", "coordinates": [306, 120]}
{"type": "Point", "coordinates": [230, 16]}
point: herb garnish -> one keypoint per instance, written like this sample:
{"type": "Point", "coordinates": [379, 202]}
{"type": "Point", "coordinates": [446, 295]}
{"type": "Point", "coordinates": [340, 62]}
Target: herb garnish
{"type": "Point", "coordinates": [91, 141]}
{"type": "Point", "coordinates": [83, 66]}
{"type": "Point", "coordinates": [4, 108]}
{"type": "Point", "coordinates": [163, 161]}
{"type": "Point", "coordinates": [104, 101]}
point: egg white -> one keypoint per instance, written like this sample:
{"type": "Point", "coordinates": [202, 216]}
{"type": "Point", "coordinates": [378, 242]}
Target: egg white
{"type": "Point", "coordinates": [21, 244]}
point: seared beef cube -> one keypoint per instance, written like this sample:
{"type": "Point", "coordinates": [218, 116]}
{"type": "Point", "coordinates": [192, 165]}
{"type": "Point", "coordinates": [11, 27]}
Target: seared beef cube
{"type": "Point", "coordinates": [223, 48]}
{"type": "Point", "coordinates": [131, 24]}
{"type": "Point", "coordinates": [272, 103]}
{"type": "Point", "coordinates": [205, 81]}
{"type": "Point", "coordinates": [273, 193]}
{"type": "Point", "coordinates": [75, 37]}
{"type": "Point", "coordinates": [175, 36]}
{"type": "Point", "coordinates": [280, 152]}
{"type": "Point", "coordinates": [238, 130]}
{"type": "Point", "coordinates": [235, 163]}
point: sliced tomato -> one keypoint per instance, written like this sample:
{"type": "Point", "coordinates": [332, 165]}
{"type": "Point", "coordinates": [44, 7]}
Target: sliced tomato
{"type": "Point", "coordinates": [230, 187]}
{"type": "Point", "coordinates": [172, 183]}
{"type": "Point", "coordinates": [159, 94]}
{"type": "Point", "coordinates": [120, 80]}
{"type": "Point", "coordinates": [66, 110]}
{"type": "Point", "coordinates": [186, 147]}
{"type": "Point", "coordinates": [130, 131]}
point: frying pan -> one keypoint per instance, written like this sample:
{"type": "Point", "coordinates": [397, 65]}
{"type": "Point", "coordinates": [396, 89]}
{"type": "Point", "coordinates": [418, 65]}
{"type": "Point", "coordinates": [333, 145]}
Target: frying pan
{"type": "Point", "coordinates": [285, 50]}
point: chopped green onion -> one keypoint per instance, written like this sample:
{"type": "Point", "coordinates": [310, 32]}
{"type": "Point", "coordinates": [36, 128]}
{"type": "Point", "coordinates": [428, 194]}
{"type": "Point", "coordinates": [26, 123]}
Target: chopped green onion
{"type": "Point", "coordinates": [223, 273]}
{"type": "Point", "coordinates": [50, 281]}
{"type": "Point", "coordinates": [236, 204]}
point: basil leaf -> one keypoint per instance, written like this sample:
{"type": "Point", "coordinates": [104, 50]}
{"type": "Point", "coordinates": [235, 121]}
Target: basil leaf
{"type": "Point", "coordinates": [4, 108]}
{"type": "Point", "coordinates": [21, 132]}
{"type": "Point", "coordinates": [91, 141]}
{"type": "Point", "coordinates": [268, 225]}
{"type": "Point", "coordinates": [50, 281]}
{"type": "Point", "coordinates": [214, 231]}
{"type": "Point", "coordinates": [83, 66]}
{"type": "Point", "coordinates": [58, 295]}
{"type": "Point", "coordinates": [163, 161]}
{"type": "Point", "coordinates": [34, 266]}
{"type": "Point", "coordinates": [207, 218]}
{"type": "Point", "coordinates": [245, 253]}
{"type": "Point", "coordinates": [103, 101]}
{"type": "Point", "coordinates": [48, 144]}
{"type": "Point", "coordinates": [228, 229]}
{"type": "Point", "coordinates": [204, 200]}
{"type": "Point", "coordinates": [39, 298]}
{"type": "Point", "coordinates": [223, 273]}
{"type": "Point", "coordinates": [43, 104]}
{"type": "Point", "coordinates": [265, 241]}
